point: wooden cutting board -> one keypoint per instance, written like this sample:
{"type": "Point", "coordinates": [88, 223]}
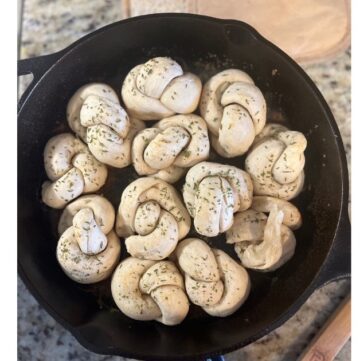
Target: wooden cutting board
{"type": "Point", "coordinates": [332, 337]}
{"type": "Point", "coordinates": [307, 30]}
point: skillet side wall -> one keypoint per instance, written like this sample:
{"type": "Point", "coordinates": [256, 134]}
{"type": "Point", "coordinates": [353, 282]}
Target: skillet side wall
{"type": "Point", "coordinates": [204, 47]}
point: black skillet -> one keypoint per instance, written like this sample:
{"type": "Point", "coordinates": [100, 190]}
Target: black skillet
{"type": "Point", "coordinates": [204, 46]}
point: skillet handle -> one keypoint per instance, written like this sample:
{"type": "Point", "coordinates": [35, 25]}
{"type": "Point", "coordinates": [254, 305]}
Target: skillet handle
{"type": "Point", "coordinates": [338, 264]}
{"type": "Point", "coordinates": [36, 66]}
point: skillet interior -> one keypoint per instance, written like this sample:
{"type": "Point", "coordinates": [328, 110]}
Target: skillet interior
{"type": "Point", "coordinates": [203, 46]}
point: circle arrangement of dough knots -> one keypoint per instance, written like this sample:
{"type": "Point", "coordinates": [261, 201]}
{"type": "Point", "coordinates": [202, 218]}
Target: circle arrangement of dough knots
{"type": "Point", "coordinates": [152, 218]}
{"type": "Point", "coordinates": [88, 249]}
{"type": "Point", "coordinates": [213, 280]}
{"type": "Point", "coordinates": [250, 205]}
{"type": "Point", "coordinates": [234, 110]}
{"type": "Point", "coordinates": [159, 88]}
{"type": "Point", "coordinates": [171, 146]}
{"type": "Point", "coordinates": [72, 170]}
{"type": "Point", "coordinates": [276, 162]}
{"type": "Point", "coordinates": [95, 114]}
{"type": "Point", "coordinates": [262, 242]}
{"type": "Point", "coordinates": [213, 192]}
{"type": "Point", "coordinates": [146, 290]}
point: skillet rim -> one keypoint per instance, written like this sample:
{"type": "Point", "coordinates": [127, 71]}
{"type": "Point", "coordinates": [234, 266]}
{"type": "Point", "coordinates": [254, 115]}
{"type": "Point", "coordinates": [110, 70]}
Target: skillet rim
{"type": "Point", "coordinates": [316, 282]}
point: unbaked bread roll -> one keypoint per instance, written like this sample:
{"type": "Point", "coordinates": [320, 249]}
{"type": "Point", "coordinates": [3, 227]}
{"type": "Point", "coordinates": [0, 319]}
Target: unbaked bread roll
{"type": "Point", "coordinates": [152, 218]}
{"type": "Point", "coordinates": [234, 110]}
{"type": "Point", "coordinates": [213, 280]}
{"type": "Point", "coordinates": [159, 88]}
{"type": "Point", "coordinates": [213, 192]}
{"type": "Point", "coordinates": [146, 290]}
{"type": "Point", "coordinates": [95, 114]}
{"type": "Point", "coordinates": [173, 144]}
{"type": "Point", "coordinates": [88, 249]}
{"type": "Point", "coordinates": [72, 169]}
{"type": "Point", "coordinates": [262, 242]}
{"type": "Point", "coordinates": [276, 162]}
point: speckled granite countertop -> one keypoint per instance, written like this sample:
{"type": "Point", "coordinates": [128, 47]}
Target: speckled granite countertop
{"type": "Point", "coordinates": [50, 25]}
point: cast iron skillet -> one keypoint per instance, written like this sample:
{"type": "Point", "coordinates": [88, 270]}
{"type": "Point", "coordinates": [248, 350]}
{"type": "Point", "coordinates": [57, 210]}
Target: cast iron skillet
{"type": "Point", "coordinates": [205, 46]}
